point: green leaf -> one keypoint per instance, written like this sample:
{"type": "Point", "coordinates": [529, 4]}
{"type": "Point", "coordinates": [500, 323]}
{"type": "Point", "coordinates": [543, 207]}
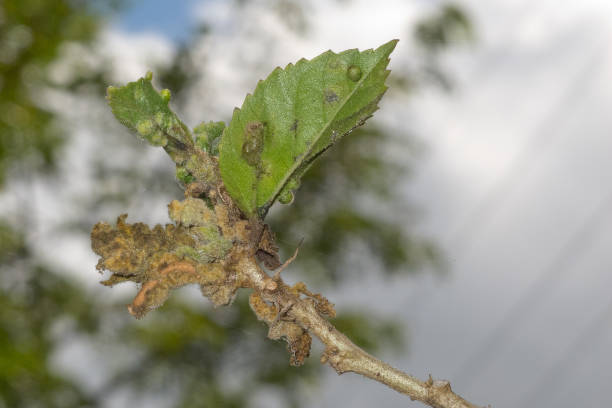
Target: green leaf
{"type": "Point", "coordinates": [208, 136]}
{"type": "Point", "coordinates": [142, 109]}
{"type": "Point", "coordinates": [139, 107]}
{"type": "Point", "coordinates": [292, 117]}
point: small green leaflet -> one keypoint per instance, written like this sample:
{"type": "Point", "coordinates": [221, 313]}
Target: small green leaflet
{"type": "Point", "coordinates": [142, 109]}
{"type": "Point", "coordinates": [139, 107]}
{"type": "Point", "coordinates": [208, 135]}
{"type": "Point", "coordinates": [292, 117]}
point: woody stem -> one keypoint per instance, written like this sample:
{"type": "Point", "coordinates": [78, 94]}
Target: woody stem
{"type": "Point", "coordinates": [341, 353]}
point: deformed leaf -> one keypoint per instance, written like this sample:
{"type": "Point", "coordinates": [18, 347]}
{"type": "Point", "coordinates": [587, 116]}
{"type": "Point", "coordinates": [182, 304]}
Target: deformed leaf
{"type": "Point", "coordinates": [134, 251]}
{"type": "Point", "coordinates": [166, 257]}
{"type": "Point", "coordinates": [201, 222]}
{"type": "Point", "coordinates": [292, 117]}
{"type": "Point", "coordinates": [139, 107]}
{"type": "Point", "coordinates": [298, 339]}
{"type": "Point", "coordinates": [142, 109]}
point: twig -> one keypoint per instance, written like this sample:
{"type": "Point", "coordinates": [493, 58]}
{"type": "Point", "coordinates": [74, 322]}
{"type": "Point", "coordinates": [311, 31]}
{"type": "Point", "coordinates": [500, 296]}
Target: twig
{"type": "Point", "coordinates": [341, 353]}
{"type": "Point", "coordinates": [277, 273]}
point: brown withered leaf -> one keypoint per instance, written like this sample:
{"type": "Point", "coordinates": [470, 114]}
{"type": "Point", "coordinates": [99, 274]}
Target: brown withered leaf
{"type": "Point", "coordinates": [298, 340]}
{"type": "Point", "coordinates": [134, 251]}
{"type": "Point", "coordinates": [154, 258]}
{"type": "Point", "coordinates": [323, 306]}
{"type": "Point", "coordinates": [222, 290]}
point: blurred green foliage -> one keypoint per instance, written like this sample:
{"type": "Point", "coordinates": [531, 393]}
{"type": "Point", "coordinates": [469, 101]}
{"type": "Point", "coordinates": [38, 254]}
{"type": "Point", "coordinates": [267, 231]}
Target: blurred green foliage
{"type": "Point", "coordinates": [448, 26]}
{"type": "Point", "coordinates": [33, 298]}
{"type": "Point", "coordinates": [31, 35]}
{"type": "Point", "coordinates": [185, 349]}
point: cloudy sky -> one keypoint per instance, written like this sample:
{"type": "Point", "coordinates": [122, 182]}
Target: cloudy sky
{"type": "Point", "coordinates": [514, 184]}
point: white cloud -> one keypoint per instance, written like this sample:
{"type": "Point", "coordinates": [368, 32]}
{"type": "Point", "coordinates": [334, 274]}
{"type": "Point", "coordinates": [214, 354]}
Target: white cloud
{"type": "Point", "coordinates": [132, 55]}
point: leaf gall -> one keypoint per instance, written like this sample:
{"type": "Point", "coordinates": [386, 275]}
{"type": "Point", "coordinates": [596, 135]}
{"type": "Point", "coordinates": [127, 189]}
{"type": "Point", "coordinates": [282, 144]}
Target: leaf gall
{"type": "Point", "coordinates": [285, 197]}
{"type": "Point", "coordinates": [354, 73]}
{"type": "Point", "coordinates": [165, 94]}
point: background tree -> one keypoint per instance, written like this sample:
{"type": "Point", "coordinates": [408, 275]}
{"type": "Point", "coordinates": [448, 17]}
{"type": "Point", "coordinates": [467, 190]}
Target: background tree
{"type": "Point", "coordinates": [33, 296]}
{"type": "Point", "coordinates": [183, 350]}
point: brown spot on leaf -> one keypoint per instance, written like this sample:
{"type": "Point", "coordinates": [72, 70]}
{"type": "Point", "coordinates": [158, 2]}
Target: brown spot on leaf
{"type": "Point", "coordinates": [330, 96]}
{"type": "Point", "coordinates": [253, 142]}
